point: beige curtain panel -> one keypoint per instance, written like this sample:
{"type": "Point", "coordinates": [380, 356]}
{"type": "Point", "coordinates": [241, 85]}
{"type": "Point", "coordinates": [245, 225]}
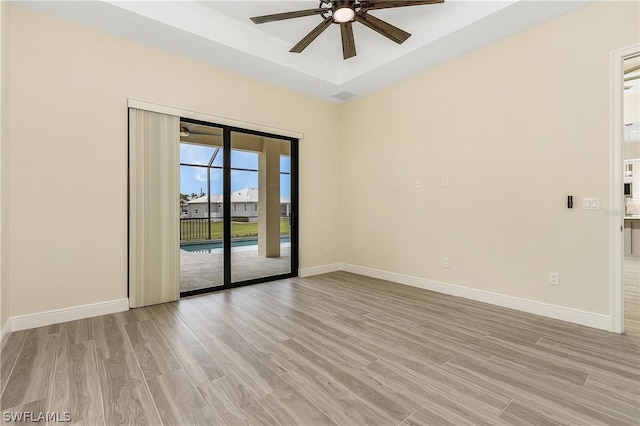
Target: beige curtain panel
{"type": "Point", "coordinates": [154, 234]}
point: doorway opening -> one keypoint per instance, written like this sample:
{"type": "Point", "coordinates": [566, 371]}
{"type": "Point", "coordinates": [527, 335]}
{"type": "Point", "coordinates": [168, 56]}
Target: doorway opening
{"type": "Point", "coordinates": [631, 194]}
{"type": "Point", "coordinates": [238, 207]}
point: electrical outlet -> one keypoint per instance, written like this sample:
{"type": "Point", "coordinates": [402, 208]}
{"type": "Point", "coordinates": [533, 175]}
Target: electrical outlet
{"type": "Point", "coordinates": [554, 278]}
{"type": "Point", "coordinates": [445, 182]}
{"type": "Point", "coordinates": [446, 263]}
{"type": "Point", "coordinates": [326, 249]}
{"type": "Point", "coordinates": [418, 183]}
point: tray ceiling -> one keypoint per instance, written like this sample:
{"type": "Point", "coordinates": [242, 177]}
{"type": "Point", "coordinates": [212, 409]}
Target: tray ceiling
{"type": "Point", "coordinates": [220, 33]}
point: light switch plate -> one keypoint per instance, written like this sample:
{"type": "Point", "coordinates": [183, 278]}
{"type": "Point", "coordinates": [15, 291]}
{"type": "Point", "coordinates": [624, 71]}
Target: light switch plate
{"type": "Point", "coordinates": [591, 203]}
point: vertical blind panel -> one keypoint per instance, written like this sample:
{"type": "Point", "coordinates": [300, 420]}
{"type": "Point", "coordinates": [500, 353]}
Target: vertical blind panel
{"type": "Point", "coordinates": [154, 234]}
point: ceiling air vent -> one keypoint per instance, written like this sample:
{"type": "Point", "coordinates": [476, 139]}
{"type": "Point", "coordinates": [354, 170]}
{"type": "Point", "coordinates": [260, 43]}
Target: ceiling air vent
{"type": "Point", "coordinates": [344, 95]}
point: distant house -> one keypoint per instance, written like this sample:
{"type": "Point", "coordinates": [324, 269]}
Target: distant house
{"type": "Point", "coordinates": [244, 204]}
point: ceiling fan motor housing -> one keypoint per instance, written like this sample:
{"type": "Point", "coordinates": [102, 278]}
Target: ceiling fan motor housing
{"type": "Point", "coordinates": [343, 11]}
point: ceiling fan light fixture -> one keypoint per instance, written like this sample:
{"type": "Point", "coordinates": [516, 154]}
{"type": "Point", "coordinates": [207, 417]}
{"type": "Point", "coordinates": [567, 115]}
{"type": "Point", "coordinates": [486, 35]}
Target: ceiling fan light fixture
{"type": "Point", "coordinates": [343, 12]}
{"type": "Point", "coordinates": [346, 13]}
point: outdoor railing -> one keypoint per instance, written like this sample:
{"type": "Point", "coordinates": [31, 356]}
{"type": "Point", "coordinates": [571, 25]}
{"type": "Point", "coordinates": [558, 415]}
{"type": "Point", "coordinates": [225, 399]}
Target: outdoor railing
{"type": "Point", "coordinates": [195, 229]}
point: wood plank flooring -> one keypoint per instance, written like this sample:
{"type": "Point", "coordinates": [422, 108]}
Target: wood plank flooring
{"type": "Point", "coordinates": [335, 349]}
{"type": "Point", "coordinates": [631, 279]}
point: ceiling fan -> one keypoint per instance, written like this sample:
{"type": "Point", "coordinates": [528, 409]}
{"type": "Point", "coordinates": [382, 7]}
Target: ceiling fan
{"type": "Point", "coordinates": [193, 130]}
{"type": "Point", "coordinates": [344, 13]}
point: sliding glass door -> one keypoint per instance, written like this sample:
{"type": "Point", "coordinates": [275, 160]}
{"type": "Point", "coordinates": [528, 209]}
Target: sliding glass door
{"type": "Point", "coordinates": [238, 204]}
{"type": "Point", "coordinates": [260, 207]}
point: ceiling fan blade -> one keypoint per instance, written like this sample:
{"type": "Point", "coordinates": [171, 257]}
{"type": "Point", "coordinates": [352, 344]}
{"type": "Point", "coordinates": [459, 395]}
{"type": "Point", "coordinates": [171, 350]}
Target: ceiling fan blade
{"type": "Point", "coordinates": [195, 132]}
{"type": "Point", "coordinates": [386, 29]}
{"type": "Point", "coordinates": [348, 41]}
{"type": "Point", "coordinates": [386, 4]}
{"type": "Point", "coordinates": [306, 41]}
{"type": "Point", "coordinates": [287, 15]}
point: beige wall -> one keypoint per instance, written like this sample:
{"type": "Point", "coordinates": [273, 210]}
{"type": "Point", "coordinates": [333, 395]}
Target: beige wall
{"type": "Point", "coordinates": [500, 123]}
{"type": "Point", "coordinates": [68, 198]}
{"type": "Point", "coordinates": [4, 162]}
{"type": "Point", "coordinates": [516, 127]}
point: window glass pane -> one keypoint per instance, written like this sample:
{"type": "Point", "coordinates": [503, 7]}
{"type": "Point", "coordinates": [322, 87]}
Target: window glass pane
{"type": "Point", "coordinates": [195, 154]}
{"type": "Point", "coordinates": [285, 164]}
{"type": "Point", "coordinates": [285, 187]}
{"type": "Point", "coordinates": [244, 160]}
{"type": "Point", "coordinates": [193, 181]}
{"type": "Point", "coordinates": [201, 228]}
{"type": "Point", "coordinates": [242, 179]}
{"type": "Point", "coordinates": [260, 242]}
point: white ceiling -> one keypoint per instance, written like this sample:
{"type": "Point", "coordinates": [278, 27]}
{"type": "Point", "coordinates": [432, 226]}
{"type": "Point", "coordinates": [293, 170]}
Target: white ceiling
{"type": "Point", "coordinates": [220, 33]}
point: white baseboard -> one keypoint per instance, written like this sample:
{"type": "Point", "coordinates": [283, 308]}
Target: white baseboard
{"type": "Point", "coordinates": [589, 319]}
{"type": "Point", "coordinates": [317, 270]}
{"type": "Point", "coordinates": [40, 319]}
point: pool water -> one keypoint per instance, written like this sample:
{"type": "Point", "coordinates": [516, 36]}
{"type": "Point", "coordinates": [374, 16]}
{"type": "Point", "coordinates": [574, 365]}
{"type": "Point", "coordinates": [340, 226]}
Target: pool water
{"type": "Point", "coordinates": [209, 247]}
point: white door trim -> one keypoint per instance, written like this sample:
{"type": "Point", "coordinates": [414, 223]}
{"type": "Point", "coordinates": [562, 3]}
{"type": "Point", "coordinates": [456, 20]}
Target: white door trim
{"type": "Point", "coordinates": [616, 208]}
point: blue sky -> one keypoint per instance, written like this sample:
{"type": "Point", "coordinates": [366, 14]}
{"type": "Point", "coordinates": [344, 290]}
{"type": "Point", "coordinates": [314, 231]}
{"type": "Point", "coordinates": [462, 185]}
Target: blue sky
{"type": "Point", "coordinates": [194, 179]}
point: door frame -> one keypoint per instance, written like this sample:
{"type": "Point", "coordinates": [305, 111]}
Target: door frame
{"type": "Point", "coordinates": [616, 199]}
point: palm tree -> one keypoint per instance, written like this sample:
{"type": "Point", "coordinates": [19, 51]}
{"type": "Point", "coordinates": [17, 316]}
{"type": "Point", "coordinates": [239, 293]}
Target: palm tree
{"type": "Point", "coordinates": [184, 198]}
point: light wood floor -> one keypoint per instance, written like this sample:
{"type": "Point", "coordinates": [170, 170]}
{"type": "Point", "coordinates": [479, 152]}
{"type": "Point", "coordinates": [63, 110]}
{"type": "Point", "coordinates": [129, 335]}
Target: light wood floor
{"type": "Point", "coordinates": [332, 349]}
{"type": "Point", "coordinates": [631, 280]}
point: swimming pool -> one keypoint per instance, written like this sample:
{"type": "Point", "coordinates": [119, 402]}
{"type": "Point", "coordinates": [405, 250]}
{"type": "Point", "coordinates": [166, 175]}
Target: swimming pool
{"type": "Point", "coordinates": [208, 247]}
